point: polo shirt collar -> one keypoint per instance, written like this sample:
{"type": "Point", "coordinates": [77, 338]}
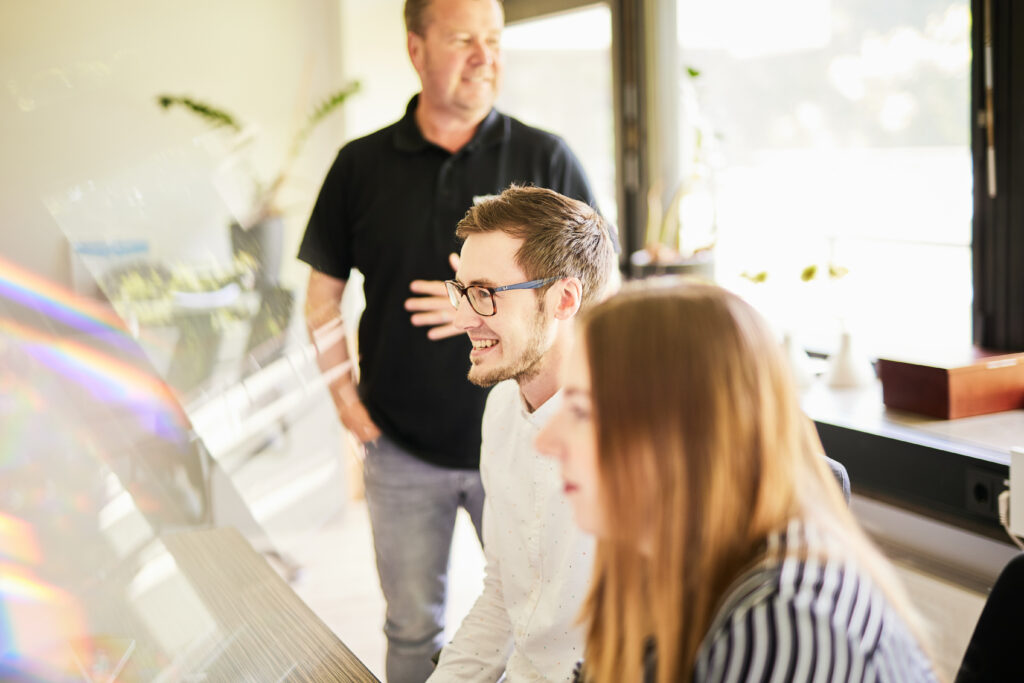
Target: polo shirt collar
{"type": "Point", "coordinates": [491, 131]}
{"type": "Point", "coordinates": [408, 138]}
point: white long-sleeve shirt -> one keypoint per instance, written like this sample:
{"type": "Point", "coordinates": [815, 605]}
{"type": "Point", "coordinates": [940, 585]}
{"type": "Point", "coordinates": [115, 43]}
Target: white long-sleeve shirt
{"type": "Point", "coordinates": [538, 563]}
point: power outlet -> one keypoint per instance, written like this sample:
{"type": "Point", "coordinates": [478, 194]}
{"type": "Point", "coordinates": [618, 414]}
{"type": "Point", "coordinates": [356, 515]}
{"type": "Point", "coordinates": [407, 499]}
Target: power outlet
{"type": "Point", "coordinates": [1017, 491]}
{"type": "Point", "coordinates": [982, 492]}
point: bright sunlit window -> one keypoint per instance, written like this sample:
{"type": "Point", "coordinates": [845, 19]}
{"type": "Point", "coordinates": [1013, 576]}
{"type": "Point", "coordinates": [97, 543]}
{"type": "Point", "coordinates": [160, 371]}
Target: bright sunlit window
{"type": "Point", "coordinates": [835, 137]}
{"type": "Point", "coordinates": [558, 76]}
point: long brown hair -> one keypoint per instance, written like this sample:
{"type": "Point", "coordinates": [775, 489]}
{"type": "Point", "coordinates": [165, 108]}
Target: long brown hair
{"type": "Point", "coordinates": [703, 452]}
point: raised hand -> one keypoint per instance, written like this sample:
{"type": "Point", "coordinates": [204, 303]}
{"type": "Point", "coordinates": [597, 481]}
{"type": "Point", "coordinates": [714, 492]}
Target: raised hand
{"type": "Point", "coordinates": [432, 307]}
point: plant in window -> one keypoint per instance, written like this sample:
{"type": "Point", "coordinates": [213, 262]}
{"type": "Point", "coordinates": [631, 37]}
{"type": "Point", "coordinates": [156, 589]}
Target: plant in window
{"type": "Point", "coordinates": [800, 363]}
{"type": "Point", "coordinates": [835, 272]}
{"type": "Point", "coordinates": [848, 366]}
{"type": "Point", "coordinates": [686, 230]}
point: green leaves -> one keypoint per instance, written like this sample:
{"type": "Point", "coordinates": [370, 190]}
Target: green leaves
{"type": "Point", "coordinates": [215, 117]}
{"type": "Point", "coordinates": [321, 112]}
{"type": "Point", "coordinates": [809, 273]}
{"type": "Point", "coordinates": [332, 102]}
{"type": "Point", "coordinates": [265, 203]}
{"type": "Point", "coordinates": [835, 272]}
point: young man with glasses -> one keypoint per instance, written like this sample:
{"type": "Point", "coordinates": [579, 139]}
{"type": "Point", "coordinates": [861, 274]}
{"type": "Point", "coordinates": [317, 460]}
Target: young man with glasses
{"type": "Point", "coordinates": [531, 259]}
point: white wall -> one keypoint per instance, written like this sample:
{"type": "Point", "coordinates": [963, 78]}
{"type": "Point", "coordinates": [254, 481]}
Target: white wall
{"type": "Point", "coordinates": [83, 138]}
{"type": "Point", "coordinates": [373, 51]}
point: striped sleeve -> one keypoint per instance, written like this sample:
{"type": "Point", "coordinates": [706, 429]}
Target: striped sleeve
{"type": "Point", "coordinates": [818, 621]}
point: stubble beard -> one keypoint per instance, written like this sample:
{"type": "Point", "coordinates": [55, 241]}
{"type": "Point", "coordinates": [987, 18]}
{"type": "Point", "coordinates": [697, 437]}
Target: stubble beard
{"type": "Point", "coordinates": [523, 368]}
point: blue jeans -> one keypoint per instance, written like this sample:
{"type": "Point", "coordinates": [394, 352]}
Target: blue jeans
{"type": "Point", "coordinates": [412, 507]}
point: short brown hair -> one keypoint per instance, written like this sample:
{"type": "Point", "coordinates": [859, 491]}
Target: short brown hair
{"type": "Point", "coordinates": [415, 16]}
{"type": "Point", "coordinates": [562, 237]}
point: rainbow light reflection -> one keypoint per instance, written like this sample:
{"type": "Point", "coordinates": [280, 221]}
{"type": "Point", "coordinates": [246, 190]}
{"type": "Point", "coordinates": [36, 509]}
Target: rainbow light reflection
{"type": "Point", "coordinates": [32, 291]}
{"type": "Point", "coordinates": [84, 352]}
{"type": "Point", "coordinates": [38, 622]}
{"type": "Point", "coordinates": [106, 377]}
{"type": "Point", "coordinates": [17, 541]}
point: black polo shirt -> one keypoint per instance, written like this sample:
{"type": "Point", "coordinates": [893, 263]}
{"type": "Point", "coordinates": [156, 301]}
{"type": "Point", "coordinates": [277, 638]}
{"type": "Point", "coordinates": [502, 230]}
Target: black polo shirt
{"type": "Point", "coordinates": [389, 207]}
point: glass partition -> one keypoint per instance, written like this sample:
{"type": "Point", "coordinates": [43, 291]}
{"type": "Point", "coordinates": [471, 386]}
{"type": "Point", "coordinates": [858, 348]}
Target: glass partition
{"type": "Point", "coordinates": [103, 461]}
{"type": "Point", "coordinates": [158, 384]}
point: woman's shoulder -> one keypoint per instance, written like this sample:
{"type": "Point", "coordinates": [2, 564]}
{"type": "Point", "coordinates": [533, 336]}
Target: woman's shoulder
{"type": "Point", "coordinates": [804, 610]}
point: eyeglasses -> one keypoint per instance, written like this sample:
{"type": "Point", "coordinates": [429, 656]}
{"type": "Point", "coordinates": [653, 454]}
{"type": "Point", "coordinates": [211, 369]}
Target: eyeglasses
{"type": "Point", "coordinates": [481, 299]}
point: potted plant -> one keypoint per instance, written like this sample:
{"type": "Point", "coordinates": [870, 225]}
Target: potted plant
{"type": "Point", "coordinates": [680, 238]}
{"type": "Point", "coordinates": [257, 236]}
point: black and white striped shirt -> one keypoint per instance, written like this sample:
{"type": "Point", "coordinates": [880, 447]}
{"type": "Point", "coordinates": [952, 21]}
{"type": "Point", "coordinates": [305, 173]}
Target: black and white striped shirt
{"type": "Point", "coordinates": [804, 620]}
{"type": "Point", "coordinates": [808, 620]}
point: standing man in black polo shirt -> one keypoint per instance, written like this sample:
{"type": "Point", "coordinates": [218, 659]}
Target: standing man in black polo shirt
{"type": "Point", "coordinates": [389, 207]}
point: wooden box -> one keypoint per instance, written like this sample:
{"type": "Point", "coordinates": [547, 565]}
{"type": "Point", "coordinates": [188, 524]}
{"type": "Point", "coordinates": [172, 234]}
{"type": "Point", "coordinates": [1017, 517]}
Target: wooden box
{"type": "Point", "coordinates": [980, 382]}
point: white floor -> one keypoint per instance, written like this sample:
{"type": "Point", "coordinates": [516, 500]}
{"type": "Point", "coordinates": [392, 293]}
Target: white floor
{"type": "Point", "coordinates": [339, 582]}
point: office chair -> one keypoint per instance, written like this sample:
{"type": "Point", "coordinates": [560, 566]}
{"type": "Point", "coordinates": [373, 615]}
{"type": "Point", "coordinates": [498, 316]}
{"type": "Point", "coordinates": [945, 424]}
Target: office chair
{"type": "Point", "coordinates": [995, 652]}
{"type": "Point", "coordinates": [841, 475]}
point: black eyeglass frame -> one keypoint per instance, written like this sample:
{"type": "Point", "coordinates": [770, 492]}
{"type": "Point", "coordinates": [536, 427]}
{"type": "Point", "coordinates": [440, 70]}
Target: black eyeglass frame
{"type": "Point", "coordinates": [456, 291]}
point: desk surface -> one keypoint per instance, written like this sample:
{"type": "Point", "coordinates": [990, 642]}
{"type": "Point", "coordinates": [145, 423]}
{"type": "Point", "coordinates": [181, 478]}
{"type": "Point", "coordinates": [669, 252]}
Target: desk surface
{"type": "Point", "coordinates": [203, 606]}
{"type": "Point", "coordinates": [988, 437]}
{"type": "Point", "coordinates": [949, 470]}
{"type": "Point", "coordinates": [264, 630]}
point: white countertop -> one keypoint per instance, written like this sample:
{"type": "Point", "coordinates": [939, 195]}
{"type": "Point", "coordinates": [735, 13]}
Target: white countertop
{"type": "Point", "coordinates": [863, 409]}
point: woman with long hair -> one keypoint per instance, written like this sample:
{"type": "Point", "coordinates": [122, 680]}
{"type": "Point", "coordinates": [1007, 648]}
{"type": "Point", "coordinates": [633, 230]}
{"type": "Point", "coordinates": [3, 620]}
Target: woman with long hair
{"type": "Point", "coordinates": [725, 548]}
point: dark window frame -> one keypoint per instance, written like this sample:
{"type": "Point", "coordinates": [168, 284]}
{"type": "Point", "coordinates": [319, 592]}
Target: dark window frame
{"type": "Point", "coordinates": [998, 227]}
{"type": "Point", "coordinates": [629, 85]}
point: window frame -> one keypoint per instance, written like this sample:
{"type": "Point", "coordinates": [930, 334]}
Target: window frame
{"type": "Point", "coordinates": [998, 225]}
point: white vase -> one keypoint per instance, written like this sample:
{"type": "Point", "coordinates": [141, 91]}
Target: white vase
{"type": "Point", "coordinates": [799, 361]}
{"type": "Point", "coordinates": [848, 368]}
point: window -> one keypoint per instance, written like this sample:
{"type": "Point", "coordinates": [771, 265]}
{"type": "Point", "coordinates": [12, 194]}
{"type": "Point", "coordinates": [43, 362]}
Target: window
{"type": "Point", "coordinates": [837, 133]}
{"type": "Point", "coordinates": [575, 101]}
